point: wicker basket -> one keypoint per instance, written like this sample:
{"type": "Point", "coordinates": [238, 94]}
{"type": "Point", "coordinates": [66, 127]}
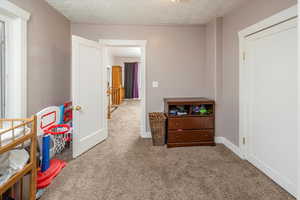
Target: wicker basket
{"type": "Point", "coordinates": [158, 128]}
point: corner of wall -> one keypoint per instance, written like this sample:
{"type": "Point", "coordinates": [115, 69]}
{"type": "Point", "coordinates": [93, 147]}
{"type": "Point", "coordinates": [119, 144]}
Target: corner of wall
{"type": "Point", "coordinates": [214, 66]}
{"type": "Point", "coordinates": [235, 149]}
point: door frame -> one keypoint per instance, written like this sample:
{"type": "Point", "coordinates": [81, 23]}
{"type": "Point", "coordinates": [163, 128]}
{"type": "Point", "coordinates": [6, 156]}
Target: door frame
{"type": "Point", "coordinates": [274, 20]}
{"type": "Point", "coordinates": [105, 43]}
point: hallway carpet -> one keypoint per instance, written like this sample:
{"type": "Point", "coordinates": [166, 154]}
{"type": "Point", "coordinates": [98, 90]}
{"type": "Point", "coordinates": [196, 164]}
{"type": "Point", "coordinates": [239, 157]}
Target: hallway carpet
{"type": "Point", "coordinates": [126, 167]}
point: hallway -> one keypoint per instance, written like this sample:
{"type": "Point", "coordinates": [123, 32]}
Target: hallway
{"type": "Point", "coordinates": [126, 167]}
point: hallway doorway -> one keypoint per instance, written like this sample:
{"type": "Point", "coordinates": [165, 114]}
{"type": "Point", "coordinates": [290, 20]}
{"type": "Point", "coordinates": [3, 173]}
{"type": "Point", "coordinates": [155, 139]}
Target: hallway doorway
{"type": "Point", "coordinates": [124, 61]}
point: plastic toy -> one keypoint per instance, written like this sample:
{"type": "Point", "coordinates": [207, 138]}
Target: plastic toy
{"type": "Point", "coordinates": [196, 109]}
{"type": "Point", "coordinates": [46, 152]}
{"type": "Point", "coordinates": [45, 119]}
{"type": "Point", "coordinates": [61, 136]}
{"type": "Point", "coordinates": [68, 113]}
{"type": "Point", "coordinates": [49, 169]}
{"type": "Point", "coordinates": [66, 118]}
{"type": "Point", "coordinates": [203, 110]}
{"type": "Point", "coordinates": [51, 139]}
{"type": "Point", "coordinates": [45, 178]}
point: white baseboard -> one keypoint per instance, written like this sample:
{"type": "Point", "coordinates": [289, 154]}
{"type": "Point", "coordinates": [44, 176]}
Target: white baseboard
{"type": "Point", "coordinates": [146, 135]}
{"type": "Point", "coordinates": [283, 181]}
{"type": "Point", "coordinates": [235, 149]}
{"type": "Point", "coordinates": [220, 140]}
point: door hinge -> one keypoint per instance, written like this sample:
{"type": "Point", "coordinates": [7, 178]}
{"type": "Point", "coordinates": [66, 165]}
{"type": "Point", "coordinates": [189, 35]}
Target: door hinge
{"type": "Point", "coordinates": [244, 56]}
{"type": "Point", "coordinates": [244, 140]}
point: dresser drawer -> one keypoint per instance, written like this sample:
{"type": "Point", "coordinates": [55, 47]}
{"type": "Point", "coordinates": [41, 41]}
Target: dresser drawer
{"type": "Point", "coordinates": [190, 136]}
{"type": "Point", "coordinates": [190, 123]}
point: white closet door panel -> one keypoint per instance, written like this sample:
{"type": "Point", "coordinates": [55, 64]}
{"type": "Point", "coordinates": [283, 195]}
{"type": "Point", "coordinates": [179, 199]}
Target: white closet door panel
{"type": "Point", "coordinates": [272, 133]}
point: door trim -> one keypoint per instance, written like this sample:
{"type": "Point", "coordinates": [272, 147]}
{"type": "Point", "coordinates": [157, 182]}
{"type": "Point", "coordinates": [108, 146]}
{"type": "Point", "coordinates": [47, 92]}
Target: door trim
{"type": "Point", "coordinates": [285, 15]}
{"type": "Point", "coordinates": [16, 56]}
{"type": "Point", "coordinates": [133, 43]}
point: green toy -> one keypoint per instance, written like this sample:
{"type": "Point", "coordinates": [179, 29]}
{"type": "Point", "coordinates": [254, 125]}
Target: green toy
{"type": "Point", "coordinates": [203, 110]}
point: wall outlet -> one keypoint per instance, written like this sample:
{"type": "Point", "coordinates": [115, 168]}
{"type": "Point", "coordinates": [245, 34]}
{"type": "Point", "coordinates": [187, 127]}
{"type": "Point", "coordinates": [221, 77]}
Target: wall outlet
{"type": "Point", "coordinates": [155, 84]}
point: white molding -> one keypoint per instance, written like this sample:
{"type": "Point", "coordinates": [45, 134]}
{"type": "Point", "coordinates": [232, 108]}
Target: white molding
{"type": "Point", "coordinates": [274, 175]}
{"type": "Point", "coordinates": [243, 73]}
{"type": "Point", "coordinates": [128, 43]}
{"type": "Point", "coordinates": [85, 41]}
{"type": "Point", "coordinates": [23, 67]}
{"type": "Point", "coordinates": [235, 149]}
{"type": "Point", "coordinates": [142, 44]}
{"type": "Point", "coordinates": [298, 115]}
{"type": "Point", "coordinates": [242, 97]}
{"type": "Point", "coordinates": [16, 24]}
{"type": "Point", "coordinates": [13, 11]}
{"type": "Point", "coordinates": [219, 140]}
{"type": "Point", "coordinates": [270, 21]}
{"type": "Point", "coordinates": [146, 135]}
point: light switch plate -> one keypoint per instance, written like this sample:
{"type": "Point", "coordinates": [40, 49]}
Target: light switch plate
{"type": "Point", "coordinates": [155, 84]}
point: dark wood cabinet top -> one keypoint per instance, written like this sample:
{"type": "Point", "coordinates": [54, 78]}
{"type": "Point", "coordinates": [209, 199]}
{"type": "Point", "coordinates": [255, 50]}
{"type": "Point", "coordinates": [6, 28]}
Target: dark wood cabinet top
{"type": "Point", "coordinates": [188, 100]}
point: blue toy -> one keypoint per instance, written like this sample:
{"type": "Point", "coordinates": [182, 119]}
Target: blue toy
{"type": "Point", "coordinates": [62, 111]}
{"type": "Point", "coordinates": [46, 153]}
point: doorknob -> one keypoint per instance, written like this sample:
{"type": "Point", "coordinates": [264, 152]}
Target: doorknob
{"type": "Point", "coordinates": [77, 108]}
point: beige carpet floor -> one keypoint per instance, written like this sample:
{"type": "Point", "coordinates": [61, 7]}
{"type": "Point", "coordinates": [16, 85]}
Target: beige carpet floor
{"type": "Point", "coordinates": [126, 167]}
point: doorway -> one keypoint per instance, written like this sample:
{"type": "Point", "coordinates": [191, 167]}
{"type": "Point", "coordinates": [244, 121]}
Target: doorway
{"type": "Point", "coordinates": [90, 71]}
{"type": "Point", "coordinates": [125, 63]}
{"type": "Point", "coordinates": [268, 97]}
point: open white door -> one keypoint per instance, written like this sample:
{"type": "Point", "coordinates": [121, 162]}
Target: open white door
{"type": "Point", "coordinates": [88, 95]}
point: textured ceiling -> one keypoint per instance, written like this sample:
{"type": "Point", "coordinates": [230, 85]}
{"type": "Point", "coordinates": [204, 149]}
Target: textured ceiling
{"type": "Point", "coordinates": [125, 51]}
{"type": "Point", "coordinates": [143, 12]}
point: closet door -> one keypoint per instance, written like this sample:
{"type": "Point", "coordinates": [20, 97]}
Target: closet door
{"type": "Point", "coordinates": [271, 57]}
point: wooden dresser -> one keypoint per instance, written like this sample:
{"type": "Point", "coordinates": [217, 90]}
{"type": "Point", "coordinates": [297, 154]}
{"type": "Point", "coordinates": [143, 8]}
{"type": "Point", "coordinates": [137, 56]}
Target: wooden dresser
{"type": "Point", "coordinates": [191, 121]}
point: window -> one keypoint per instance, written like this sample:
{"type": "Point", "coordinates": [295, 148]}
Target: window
{"type": "Point", "coordinates": [2, 70]}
